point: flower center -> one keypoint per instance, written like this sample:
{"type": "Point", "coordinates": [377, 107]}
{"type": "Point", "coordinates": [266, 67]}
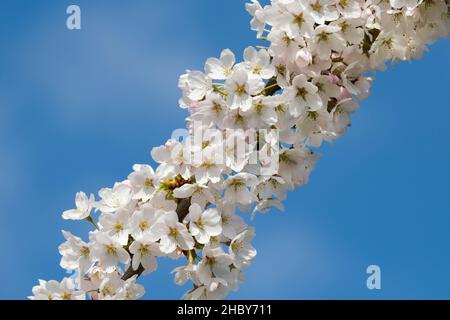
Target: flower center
{"type": "Point", "coordinates": [316, 6]}
{"type": "Point", "coordinates": [343, 3]}
{"type": "Point", "coordinates": [107, 291]}
{"type": "Point", "coordinates": [280, 108]}
{"type": "Point", "coordinates": [240, 90]}
{"type": "Point", "coordinates": [320, 86]}
{"type": "Point", "coordinates": [280, 69]}
{"type": "Point", "coordinates": [287, 41]}
{"type": "Point", "coordinates": [143, 249]}
{"type": "Point", "coordinates": [66, 296]}
{"type": "Point", "coordinates": [313, 115]}
{"type": "Point", "coordinates": [210, 261]}
{"type": "Point", "coordinates": [344, 26]}
{"type": "Point", "coordinates": [259, 106]}
{"type": "Point", "coordinates": [301, 92]}
{"type": "Point", "coordinates": [208, 165]}
{"type": "Point", "coordinates": [148, 183]}
{"type": "Point", "coordinates": [299, 20]}
{"type": "Point", "coordinates": [143, 225]}
{"type": "Point", "coordinates": [85, 251]}
{"type": "Point", "coordinates": [237, 246]}
{"type": "Point", "coordinates": [205, 144]}
{"type": "Point", "coordinates": [217, 107]}
{"type": "Point", "coordinates": [237, 184]}
{"type": "Point", "coordinates": [323, 36]}
{"type": "Point", "coordinates": [257, 69]}
{"type": "Point", "coordinates": [388, 43]}
{"type": "Point", "coordinates": [200, 224]}
{"type": "Point", "coordinates": [173, 232]}
{"type": "Point", "coordinates": [111, 249]}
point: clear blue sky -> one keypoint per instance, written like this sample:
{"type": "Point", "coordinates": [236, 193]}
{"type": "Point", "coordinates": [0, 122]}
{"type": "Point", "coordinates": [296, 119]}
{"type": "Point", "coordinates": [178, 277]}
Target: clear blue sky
{"type": "Point", "coordinates": [79, 108]}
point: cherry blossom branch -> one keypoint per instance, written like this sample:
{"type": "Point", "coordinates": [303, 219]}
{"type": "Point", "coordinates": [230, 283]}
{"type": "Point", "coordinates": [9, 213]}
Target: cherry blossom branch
{"type": "Point", "coordinates": [253, 128]}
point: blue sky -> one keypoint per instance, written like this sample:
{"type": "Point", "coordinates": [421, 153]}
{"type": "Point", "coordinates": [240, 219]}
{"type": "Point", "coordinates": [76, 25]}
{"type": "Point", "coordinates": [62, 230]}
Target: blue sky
{"type": "Point", "coordinates": [79, 108]}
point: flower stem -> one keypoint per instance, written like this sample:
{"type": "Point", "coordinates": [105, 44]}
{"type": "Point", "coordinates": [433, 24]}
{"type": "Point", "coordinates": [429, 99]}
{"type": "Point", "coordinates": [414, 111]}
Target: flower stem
{"type": "Point", "coordinates": [92, 222]}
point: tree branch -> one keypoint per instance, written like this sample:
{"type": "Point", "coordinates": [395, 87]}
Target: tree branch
{"type": "Point", "coordinates": [271, 87]}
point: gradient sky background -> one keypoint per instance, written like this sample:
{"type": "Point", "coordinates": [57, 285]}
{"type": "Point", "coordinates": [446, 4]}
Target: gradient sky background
{"type": "Point", "coordinates": [79, 108]}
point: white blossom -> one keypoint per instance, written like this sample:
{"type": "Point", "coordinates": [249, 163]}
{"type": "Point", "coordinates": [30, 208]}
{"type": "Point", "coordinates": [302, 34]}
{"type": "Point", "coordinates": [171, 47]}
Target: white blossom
{"type": "Point", "coordinates": [109, 251]}
{"type": "Point", "coordinates": [214, 267]}
{"type": "Point", "coordinates": [84, 207]}
{"type": "Point", "coordinates": [327, 38]}
{"type": "Point", "coordinates": [53, 290]}
{"type": "Point", "coordinates": [204, 224]}
{"type": "Point", "coordinates": [199, 193]}
{"type": "Point", "coordinates": [349, 9]}
{"type": "Point", "coordinates": [113, 287]}
{"type": "Point", "coordinates": [322, 10]}
{"type": "Point", "coordinates": [257, 23]}
{"type": "Point", "coordinates": [143, 219]}
{"type": "Point", "coordinates": [75, 253]}
{"type": "Point", "coordinates": [117, 225]}
{"type": "Point", "coordinates": [232, 224]}
{"type": "Point", "coordinates": [258, 63]}
{"type": "Point", "coordinates": [197, 85]}
{"type": "Point", "coordinates": [304, 96]}
{"type": "Point", "coordinates": [240, 88]}
{"type": "Point", "coordinates": [144, 252]}
{"type": "Point", "coordinates": [241, 249]}
{"type": "Point", "coordinates": [237, 188]}
{"type": "Point", "coordinates": [114, 199]}
{"type": "Point", "coordinates": [144, 181]}
{"type": "Point", "coordinates": [221, 69]}
{"type": "Point", "coordinates": [172, 234]}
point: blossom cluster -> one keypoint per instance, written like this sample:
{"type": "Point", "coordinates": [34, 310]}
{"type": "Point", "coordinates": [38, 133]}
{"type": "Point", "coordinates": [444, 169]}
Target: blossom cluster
{"type": "Point", "coordinates": [276, 105]}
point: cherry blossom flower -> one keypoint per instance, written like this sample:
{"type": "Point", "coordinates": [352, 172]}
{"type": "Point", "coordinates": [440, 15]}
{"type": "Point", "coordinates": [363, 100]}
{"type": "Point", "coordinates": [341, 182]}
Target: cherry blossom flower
{"type": "Point", "coordinates": [327, 38]}
{"type": "Point", "coordinates": [304, 96]}
{"type": "Point", "coordinates": [322, 10]}
{"type": "Point", "coordinates": [84, 207]}
{"type": "Point", "coordinates": [114, 199]}
{"type": "Point", "coordinates": [199, 193]}
{"type": "Point", "coordinates": [221, 69]}
{"type": "Point", "coordinates": [76, 254]}
{"type": "Point", "coordinates": [117, 225]}
{"type": "Point", "coordinates": [350, 29]}
{"type": "Point", "coordinates": [214, 267]}
{"type": "Point", "coordinates": [212, 109]}
{"type": "Point", "coordinates": [232, 224]}
{"type": "Point", "coordinates": [113, 287]}
{"type": "Point", "coordinates": [237, 188]}
{"type": "Point", "coordinates": [53, 290]}
{"type": "Point", "coordinates": [258, 63]}
{"type": "Point", "coordinates": [257, 23]}
{"type": "Point", "coordinates": [197, 85]}
{"type": "Point", "coordinates": [109, 251]}
{"type": "Point", "coordinates": [240, 88]}
{"type": "Point", "coordinates": [172, 234]}
{"type": "Point", "coordinates": [295, 19]}
{"type": "Point", "coordinates": [143, 181]}
{"type": "Point", "coordinates": [241, 250]}
{"type": "Point", "coordinates": [204, 224]}
{"type": "Point", "coordinates": [349, 9]}
{"type": "Point", "coordinates": [144, 252]}
{"type": "Point", "coordinates": [143, 219]}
